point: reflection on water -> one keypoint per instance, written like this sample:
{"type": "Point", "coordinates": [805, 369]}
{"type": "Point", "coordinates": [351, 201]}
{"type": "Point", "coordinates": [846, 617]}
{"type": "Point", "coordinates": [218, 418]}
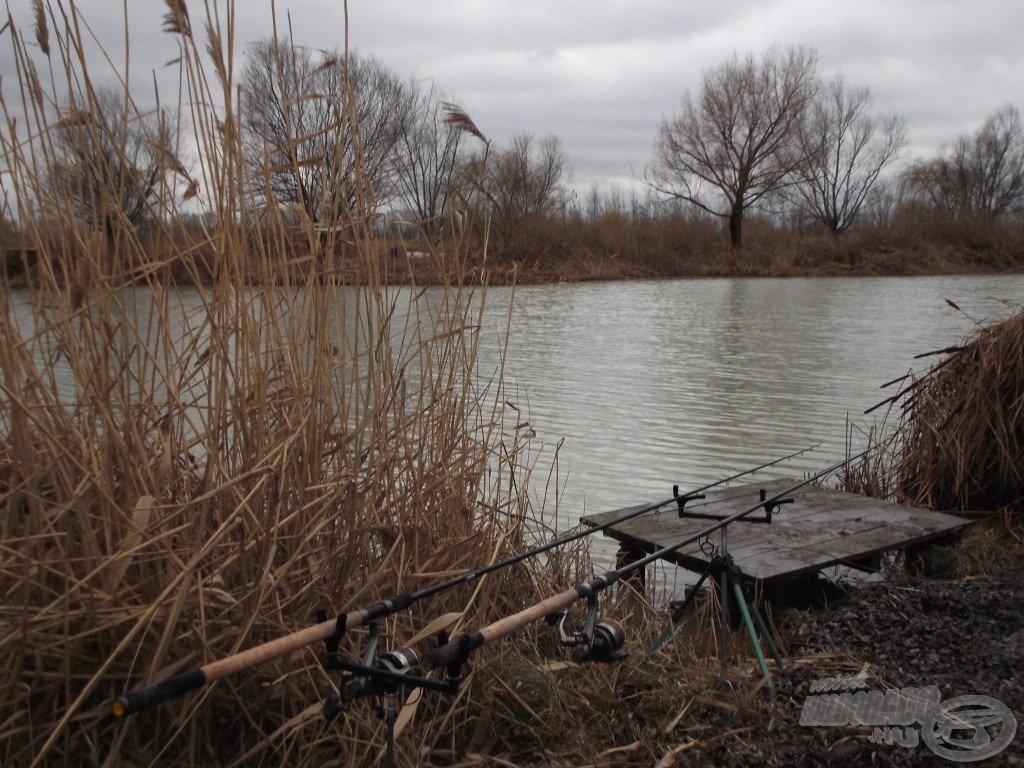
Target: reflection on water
{"type": "Point", "coordinates": [653, 383]}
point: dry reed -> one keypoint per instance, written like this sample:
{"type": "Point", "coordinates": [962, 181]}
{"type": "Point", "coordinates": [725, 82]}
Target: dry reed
{"type": "Point", "coordinates": [638, 712]}
{"type": "Point", "coordinates": [960, 432]}
{"type": "Point", "coordinates": [208, 435]}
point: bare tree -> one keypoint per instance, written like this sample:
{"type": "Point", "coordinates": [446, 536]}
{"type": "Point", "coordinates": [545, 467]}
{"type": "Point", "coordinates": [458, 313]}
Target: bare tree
{"type": "Point", "coordinates": [426, 157]}
{"type": "Point", "coordinates": [525, 181]}
{"type": "Point", "coordinates": [113, 165]}
{"type": "Point", "coordinates": [981, 176]}
{"type": "Point", "coordinates": [847, 150]}
{"type": "Point", "coordinates": [735, 143]}
{"type": "Point", "coordinates": [303, 137]}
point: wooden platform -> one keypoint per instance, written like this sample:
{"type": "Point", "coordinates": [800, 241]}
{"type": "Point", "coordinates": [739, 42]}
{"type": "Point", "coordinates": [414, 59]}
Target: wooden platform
{"type": "Point", "coordinates": [821, 528]}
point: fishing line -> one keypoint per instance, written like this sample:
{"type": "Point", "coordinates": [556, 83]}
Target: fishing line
{"type": "Point", "coordinates": [332, 630]}
{"type": "Point", "coordinates": [455, 652]}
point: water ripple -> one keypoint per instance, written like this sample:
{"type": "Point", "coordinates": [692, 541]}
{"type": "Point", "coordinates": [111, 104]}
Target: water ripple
{"type": "Point", "coordinates": [682, 381]}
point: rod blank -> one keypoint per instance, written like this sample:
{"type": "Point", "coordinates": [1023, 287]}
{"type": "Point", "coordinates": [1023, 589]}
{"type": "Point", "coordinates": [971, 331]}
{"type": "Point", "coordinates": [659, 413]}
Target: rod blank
{"type": "Point", "coordinates": [193, 679]}
{"type": "Point", "coordinates": [456, 650]}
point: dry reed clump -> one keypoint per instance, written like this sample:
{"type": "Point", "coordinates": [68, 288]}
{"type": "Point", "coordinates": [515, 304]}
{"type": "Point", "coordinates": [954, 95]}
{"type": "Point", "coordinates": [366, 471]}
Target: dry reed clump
{"type": "Point", "coordinates": [990, 550]}
{"type": "Point", "coordinates": [648, 709]}
{"type": "Point", "coordinates": [958, 443]}
{"type": "Point", "coordinates": [205, 439]}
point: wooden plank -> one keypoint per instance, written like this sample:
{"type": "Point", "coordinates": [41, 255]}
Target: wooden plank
{"type": "Point", "coordinates": [821, 527]}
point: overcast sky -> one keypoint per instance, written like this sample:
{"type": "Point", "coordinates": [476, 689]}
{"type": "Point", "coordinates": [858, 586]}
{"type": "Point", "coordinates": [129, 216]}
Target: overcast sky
{"type": "Point", "coordinates": [601, 74]}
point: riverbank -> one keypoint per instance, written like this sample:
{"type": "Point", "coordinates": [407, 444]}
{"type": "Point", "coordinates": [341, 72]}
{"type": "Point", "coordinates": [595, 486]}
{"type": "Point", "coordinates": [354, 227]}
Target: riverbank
{"type": "Point", "coordinates": [403, 264]}
{"type": "Point", "coordinates": [959, 628]}
{"type": "Point", "coordinates": [580, 264]}
{"type": "Point", "coordinates": [963, 634]}
{"type": "Point", "coordinates": [817, 257]}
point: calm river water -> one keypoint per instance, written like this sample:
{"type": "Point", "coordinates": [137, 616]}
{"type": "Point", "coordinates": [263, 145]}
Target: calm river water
{"type": "Point", "coordinates": [652, 383]}
{"type": "Point", "coordinates": [636, 386]}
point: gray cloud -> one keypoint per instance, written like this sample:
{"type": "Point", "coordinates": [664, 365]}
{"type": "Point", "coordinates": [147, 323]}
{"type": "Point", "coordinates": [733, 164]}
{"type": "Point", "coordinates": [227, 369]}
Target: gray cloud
{"type": "Point", "coordinates": [601, 75]}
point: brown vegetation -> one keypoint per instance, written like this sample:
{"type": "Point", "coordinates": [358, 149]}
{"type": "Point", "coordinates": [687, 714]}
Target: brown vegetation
{"type": "Point", "coordinates": [187, 474]}
{"type": "Point", "coordinates": [958, 439]}
{"type": "Point", "coordinates": [545, 251]}
{"type": "Point", "coordinates": [619, 246]}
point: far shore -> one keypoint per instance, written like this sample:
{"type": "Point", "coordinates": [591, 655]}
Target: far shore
{"type": "Point", "coordinates": [580, 264]}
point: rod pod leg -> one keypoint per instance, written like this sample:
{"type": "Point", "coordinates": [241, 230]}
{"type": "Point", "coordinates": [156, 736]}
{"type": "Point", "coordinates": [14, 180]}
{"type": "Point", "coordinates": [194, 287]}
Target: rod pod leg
{"type": "Point", "coordinates": [742, 603]}
{"type": "Point", "coordinates": [767, 635]}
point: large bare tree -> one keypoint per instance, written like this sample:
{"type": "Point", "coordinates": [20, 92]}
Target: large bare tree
{"type": "Point", "coordinates": [981, 176]}
{"type": "Point", "coordinates": [308, 117]}
{"type": "Point", "coordinates": [113, 165]}
{"type": "Point", "coordinates": [527, 180]}
{"type": "Point", "coordinates": [426, 158]}
{"type": "Point", "coordinates": [847, 149]}
{"type": "Point", "coordinates": [734, 143]}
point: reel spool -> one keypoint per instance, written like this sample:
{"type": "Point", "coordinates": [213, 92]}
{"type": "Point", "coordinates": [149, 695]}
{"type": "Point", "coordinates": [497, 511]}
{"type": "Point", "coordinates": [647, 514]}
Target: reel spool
{"type": "Point", "coordinates": [598, 641]}
{"type": "Point", "coordinates": [401, 662]}
{"type": "Point", "coordinates": [606, 646]}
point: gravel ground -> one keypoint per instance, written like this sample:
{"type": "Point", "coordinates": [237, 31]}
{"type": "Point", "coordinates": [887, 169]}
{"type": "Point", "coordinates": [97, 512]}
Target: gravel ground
{"type": "Point", "coordinates": [964, 636]}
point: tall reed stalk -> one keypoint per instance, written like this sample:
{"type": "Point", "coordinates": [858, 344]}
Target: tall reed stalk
{"type": "Point", "coordinates": [208, 437]}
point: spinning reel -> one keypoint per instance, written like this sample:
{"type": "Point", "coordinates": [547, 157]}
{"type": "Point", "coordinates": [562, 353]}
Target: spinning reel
{"type": "Point", "coordinates": [380, 675]}
{"type": "Point", "coordinates": [598, 641]}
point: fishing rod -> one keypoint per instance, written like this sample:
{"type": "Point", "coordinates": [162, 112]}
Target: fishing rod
{"type": "Point", "coordinates": [331, 631]}
{"type": "Point", "coordinates": [598, 641]}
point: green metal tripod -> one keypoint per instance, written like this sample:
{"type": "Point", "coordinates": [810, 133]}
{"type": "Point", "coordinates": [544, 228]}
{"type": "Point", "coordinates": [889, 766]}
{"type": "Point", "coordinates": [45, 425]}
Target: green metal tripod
{"type": "Point", "coordinates": [729, 578]}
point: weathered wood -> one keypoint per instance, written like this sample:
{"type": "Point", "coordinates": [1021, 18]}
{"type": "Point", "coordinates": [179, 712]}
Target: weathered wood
{"type": "Point", "coordinates": [821, 528]}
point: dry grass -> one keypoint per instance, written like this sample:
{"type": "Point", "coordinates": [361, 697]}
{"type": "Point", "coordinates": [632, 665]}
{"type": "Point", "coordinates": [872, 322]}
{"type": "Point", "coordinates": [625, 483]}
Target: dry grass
{"type": "Point", "coordinates": [637, 713]}
{"type": "Point", "coordinates": [991, 548]}
{"type": "Point", "coordinates": [960, 434]}
{"type": "Point", "coordinates": [208, 436]}
{"type": "Point", "coordinates": [655, 243]}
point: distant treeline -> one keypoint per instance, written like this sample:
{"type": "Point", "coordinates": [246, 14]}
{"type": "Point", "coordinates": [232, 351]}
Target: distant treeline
{"type": "Point", "coordinates": [767, 168]}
